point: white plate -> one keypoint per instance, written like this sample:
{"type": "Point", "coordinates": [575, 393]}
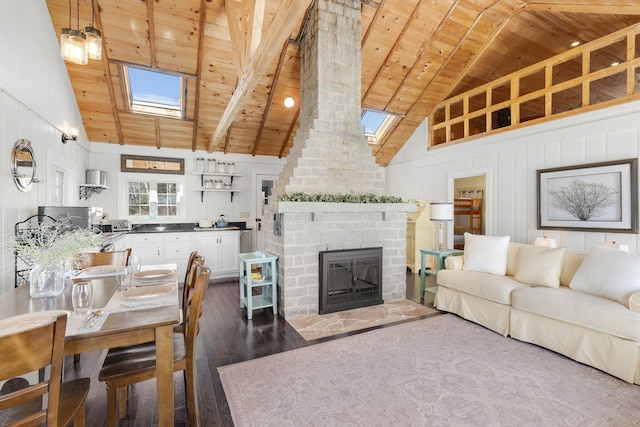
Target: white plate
{"type": "Point", "coordinates": [99, 270]}
{"type": "Point", "coordinates": [15, 324]}
{"type": "Point", "coordinates": [152, 275]}
{"type": "Point", "coordinates": [147, 293]}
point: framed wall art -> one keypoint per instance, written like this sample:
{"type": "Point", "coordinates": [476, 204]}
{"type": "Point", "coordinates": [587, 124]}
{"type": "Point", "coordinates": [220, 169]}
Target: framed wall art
{"type": "Point", "coordinates": [599, 197]}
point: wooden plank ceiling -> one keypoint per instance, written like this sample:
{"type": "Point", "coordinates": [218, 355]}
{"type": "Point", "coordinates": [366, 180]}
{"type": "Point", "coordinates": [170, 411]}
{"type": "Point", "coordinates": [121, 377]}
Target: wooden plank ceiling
{"type": "Point", "coordinates": [240, 59]}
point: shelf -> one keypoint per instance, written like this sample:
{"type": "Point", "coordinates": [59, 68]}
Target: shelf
{"type": "Point", "coordinates": [88, 190]}
{"type": "Point", "coordinates": [215, 174]}
{"type": "Point", "coordinates": [203, 190]}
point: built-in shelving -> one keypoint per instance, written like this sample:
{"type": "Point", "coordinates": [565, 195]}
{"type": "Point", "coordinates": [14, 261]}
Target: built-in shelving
{"type": "Point", "coordinates": [88, 190]}
{"type": "Point", "coordinates": [203, 190]}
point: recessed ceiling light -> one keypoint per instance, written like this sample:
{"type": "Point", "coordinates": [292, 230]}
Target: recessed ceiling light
{"type": "Point", "coordinates": [289, 102]}
{"type": "Point", "coordinates": [574, 44]}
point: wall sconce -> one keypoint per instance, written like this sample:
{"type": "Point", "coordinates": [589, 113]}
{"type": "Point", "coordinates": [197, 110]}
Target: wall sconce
{"type": "Point", "coordinates": [441, 212]}
{"type": "Point", "coordinates": [73, 136]}
{"type": "Point", "coordinates": [289, 102]}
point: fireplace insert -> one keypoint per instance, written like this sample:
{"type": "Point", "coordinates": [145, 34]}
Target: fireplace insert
{"type": "Point", "coordinates": [350, 278]}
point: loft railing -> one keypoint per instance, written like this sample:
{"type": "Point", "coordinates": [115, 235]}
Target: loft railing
{"type": "Point", "coordinates": [598, 74]}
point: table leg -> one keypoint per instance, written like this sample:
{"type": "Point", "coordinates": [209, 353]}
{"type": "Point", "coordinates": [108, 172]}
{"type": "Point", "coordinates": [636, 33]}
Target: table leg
{"type": "Point", "coordinates": [423, 262]}
{"type": "Point", "coordinates": [164, 375]}
{"type": "Point", "coordinates": [241, 270]}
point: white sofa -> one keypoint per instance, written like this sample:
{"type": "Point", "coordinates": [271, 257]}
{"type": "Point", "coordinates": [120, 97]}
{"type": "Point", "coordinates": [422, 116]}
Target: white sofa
{"type": "Point", "coordinates": [592, 329]}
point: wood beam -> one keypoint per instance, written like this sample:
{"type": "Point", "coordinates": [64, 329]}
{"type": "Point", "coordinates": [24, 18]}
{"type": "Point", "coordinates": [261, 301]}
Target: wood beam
{"type": "Point", "coordinates": [196, 111]}
{"type": "Point", "coordinates": [274, 83]}
{"type": "Point", "coordinates": [152, 34]}
{"type": "Point", "coordinates": [608, 9]}
{"type": "Point", "coordinates": [285, 20]}
{"type": "Point", "coordinates": [245, 19]}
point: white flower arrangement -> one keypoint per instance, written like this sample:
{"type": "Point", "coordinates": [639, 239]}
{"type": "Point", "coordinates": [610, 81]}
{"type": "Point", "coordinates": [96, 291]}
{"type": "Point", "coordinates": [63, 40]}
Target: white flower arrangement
{"type": "Point", "coordinates": [53, 243]}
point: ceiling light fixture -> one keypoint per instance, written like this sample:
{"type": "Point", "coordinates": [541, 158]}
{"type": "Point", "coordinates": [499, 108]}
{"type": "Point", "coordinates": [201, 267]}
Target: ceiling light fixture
{"type": "Point", "coordinates": [574, 44]}
{"type": "Point", "coordinates": [94, 38]}
{"type": "Point", "coordinates": [289, 102]}
{"type": "Point", "coordinates": [77, 46]}
{"type": "Point", "coordinates": [615, 64]}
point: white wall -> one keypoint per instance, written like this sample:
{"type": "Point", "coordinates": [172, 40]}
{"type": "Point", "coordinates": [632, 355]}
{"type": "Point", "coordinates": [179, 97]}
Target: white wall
{"type": "Point", "coordinates": [510, 161]}
{"type": "Point", "coordinates": [107, 157]}
{"type": "Point", "coordinates": [36, 103]}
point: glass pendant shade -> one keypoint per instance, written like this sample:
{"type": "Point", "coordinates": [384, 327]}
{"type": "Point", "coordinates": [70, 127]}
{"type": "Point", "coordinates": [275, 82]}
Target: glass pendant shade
{"type": "Point", "coordinates": [94, 42]}
{"type": "Point", "coordinates": [73, 46]}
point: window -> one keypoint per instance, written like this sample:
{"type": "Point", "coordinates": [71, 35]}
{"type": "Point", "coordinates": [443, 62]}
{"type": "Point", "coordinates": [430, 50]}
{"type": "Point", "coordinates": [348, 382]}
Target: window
{"type": "Point", "coordinates": [376, 124]}
{"type": "Point", "coordinates": [155, 199]}
{"type": "Point", "coordinates": [155, 92]}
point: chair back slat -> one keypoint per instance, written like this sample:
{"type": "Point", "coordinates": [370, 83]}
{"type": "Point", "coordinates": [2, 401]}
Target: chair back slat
{"type": "Point", "coordinates": [92, 259]}
{"type": "Point", "coordinates": [27, 350]}
{"type": "Point", "coordinates": [194, 306]}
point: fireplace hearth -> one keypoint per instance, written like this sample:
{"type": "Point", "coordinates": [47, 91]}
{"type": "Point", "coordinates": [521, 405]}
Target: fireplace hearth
{"type": "Point", "coordinates": [350, 278]}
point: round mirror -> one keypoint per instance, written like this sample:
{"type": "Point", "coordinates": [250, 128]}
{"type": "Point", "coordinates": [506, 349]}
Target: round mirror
{"type": "Point", "coordinates": [23, 164]}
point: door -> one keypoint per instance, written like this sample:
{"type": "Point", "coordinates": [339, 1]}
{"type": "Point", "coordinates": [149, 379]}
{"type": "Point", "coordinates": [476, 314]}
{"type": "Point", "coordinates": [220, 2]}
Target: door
{"type": "Point", "coordinates": [264, 189]}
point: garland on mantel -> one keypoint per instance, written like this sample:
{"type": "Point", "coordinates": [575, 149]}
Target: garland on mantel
{"type": "Point", "coordinates": [338, 198]}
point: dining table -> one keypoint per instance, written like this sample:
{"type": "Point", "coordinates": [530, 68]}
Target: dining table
{"type": "Point", "coordinates": [114, 320]}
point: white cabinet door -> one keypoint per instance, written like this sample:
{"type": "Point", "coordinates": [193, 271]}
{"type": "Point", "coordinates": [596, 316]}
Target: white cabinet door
{"type": "Point", "coordinates": [229, 249]}
{"type": "Point", "coordinates": [177, 247]}
{"type": "Point", "coordinates": [149, 247]}
{"type": "Point", "coordinates": [220, 251]}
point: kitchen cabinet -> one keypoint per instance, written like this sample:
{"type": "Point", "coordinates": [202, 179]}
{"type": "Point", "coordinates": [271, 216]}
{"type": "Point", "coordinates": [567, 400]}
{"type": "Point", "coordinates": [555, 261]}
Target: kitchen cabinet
{"type": "Point", "coordinates": [177, 247]}
{"type": "Point", "coordinates": [149, 247]}
{"type": "Point", "coordinates": [220, 250]}
{"type": "Point", "coordinates": [421, 234]}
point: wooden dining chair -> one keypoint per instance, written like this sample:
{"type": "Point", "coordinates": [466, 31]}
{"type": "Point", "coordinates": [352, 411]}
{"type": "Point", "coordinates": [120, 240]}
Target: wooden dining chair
{"type": "Point", "coordinates": [92, 259]}
{"type": "Point", "coordinates": [125, 366]}
{"type": "Point", "coordinates": [31, 349]}
{"type": "Point", "coordinates": [187, 286]}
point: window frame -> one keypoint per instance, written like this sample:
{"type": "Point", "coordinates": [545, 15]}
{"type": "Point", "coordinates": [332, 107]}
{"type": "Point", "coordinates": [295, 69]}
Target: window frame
{"type": "Point", "coordinates": [124, 181]}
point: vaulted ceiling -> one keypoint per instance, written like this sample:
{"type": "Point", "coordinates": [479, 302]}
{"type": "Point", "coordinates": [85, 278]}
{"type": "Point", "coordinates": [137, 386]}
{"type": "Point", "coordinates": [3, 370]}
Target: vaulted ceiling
{"type": "Point", "coordinates": [240, 59]}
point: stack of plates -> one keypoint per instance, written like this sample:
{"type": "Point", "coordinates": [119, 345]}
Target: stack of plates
{"type": "Point", "coordinates": [152, 276]}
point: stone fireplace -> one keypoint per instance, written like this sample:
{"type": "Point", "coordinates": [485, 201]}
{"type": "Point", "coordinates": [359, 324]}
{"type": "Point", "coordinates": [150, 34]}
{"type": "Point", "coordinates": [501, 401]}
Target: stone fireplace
{"type": "Point", "coordinates": [330, 155]}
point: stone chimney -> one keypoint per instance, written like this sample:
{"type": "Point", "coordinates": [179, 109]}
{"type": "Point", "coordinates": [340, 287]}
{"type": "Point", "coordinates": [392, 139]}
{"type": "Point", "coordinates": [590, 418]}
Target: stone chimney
{"type": "Point", "coordinates": [330, 153]}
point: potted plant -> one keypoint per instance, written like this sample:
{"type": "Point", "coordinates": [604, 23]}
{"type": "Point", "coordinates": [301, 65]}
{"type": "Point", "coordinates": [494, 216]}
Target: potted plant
{"type": "Point", "coordinates": [49, 248]}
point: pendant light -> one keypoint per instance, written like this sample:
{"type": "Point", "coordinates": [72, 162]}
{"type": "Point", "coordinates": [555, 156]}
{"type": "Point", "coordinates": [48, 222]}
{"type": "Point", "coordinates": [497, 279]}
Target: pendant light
{"type": "Point", "coordinates": [73, 43]}
{"type": "Point", "coordinates": [94, 39]}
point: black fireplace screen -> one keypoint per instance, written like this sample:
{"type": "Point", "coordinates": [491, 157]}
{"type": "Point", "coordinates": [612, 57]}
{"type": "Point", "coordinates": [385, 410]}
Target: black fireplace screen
{"type": "Point", "coordinates": [350, 278]}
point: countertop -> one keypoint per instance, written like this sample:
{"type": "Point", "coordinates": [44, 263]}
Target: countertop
{"type": "Point", "coordinates": [183, 227]}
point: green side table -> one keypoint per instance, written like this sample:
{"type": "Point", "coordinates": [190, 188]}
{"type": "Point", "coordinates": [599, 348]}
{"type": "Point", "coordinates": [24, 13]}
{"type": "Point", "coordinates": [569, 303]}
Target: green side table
{"type": "Point", "coordinates": [440, 257]}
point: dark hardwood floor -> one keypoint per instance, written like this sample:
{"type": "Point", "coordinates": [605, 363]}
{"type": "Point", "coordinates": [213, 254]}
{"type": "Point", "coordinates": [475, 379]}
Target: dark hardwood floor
{"type": "Point", "coordinates": [226, 337]}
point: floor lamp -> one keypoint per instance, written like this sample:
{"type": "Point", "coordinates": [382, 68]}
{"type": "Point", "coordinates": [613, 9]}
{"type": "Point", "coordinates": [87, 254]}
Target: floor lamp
{"type": "Point", "coordinates": [441, 212]}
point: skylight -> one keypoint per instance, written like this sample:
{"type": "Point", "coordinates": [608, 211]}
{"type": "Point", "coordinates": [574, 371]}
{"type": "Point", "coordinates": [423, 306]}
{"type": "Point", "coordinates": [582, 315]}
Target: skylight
{"type": "Point", "coordinates": [376, 124]}
{"type": "Point", "coordinates": [155, 92]}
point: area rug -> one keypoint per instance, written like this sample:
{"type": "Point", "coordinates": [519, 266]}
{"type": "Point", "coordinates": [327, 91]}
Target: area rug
{"type": "Point", "coordinates": [440, 371]}
{"type": "Point", "coordinates": [323, 325]}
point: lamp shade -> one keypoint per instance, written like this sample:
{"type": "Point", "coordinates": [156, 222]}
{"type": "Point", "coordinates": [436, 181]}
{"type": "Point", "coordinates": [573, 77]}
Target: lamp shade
{"type": "Point", "coordinates": [545, 241]}
{"type": "Point", "coordinates": [441, 211]}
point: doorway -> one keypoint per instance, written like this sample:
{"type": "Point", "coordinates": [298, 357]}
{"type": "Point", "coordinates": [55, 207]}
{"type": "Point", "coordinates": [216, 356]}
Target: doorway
{"type": "Point", "coordinates": [264, 190]}
{"type": "Point", "coordinates": [469, 195]}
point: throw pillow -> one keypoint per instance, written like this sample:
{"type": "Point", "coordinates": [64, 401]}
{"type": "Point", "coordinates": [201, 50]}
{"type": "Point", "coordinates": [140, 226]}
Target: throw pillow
{"type": "Point", "coordinates": [486, 254]}
{"type": "Point", "coordinates": [540, 266]}
{"type": "Point", "coordinates": [608, 273]}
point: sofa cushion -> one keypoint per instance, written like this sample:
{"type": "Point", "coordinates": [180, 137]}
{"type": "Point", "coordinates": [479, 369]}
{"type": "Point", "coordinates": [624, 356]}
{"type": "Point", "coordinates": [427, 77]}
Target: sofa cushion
{"type": "Point", "coordinates": [486, 254]}
{"type": "Point", "coordinates": [570, 265]}
{"type": "Point", "coordinates": [540, 266]}
{"type": "Point", "coordinates": [608, 273]}
{"type": "Point", "coordinates": [580, 309]}
{"type": "Point", "coordinates": [489, 286]}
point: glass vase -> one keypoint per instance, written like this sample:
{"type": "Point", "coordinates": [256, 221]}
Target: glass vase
{"type": "Point", "coordinates": [46, 281]}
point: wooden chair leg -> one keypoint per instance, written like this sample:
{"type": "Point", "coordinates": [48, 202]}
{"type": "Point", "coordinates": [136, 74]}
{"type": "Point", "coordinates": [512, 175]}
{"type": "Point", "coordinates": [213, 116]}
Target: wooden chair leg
{"type": "Point", "coordinates": [123, 396]}
{"type": "Point", "coordinates": [78, 418]}
{"type": "Point", "coordinates": [112, 405]}
{"type": "Point", "coordinates": [191, 398]}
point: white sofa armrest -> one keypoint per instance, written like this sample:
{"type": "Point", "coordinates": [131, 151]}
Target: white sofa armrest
{"type": "Point", "coordinates": [454, 262]}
